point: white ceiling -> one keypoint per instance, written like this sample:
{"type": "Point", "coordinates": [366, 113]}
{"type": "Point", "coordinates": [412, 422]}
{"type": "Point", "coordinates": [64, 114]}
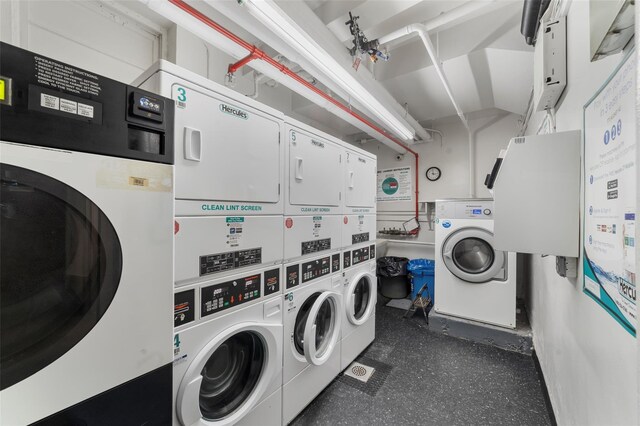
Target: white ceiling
{"type": "Point", "coordinates": [486, 60]}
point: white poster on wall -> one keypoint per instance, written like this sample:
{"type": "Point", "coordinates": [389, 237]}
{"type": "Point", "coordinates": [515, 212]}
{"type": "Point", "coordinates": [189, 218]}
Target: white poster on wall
{"type": "Point", "coordinates": [609, 265]}
{"type": "Point", "coordinates": [395, 184]}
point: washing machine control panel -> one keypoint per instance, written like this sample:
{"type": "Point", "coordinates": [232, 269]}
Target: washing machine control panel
{"type": "Point", "coordinates": [359, 255]}
{"type": "Point", "coordinates": [316, 269]}
{"type": "Point", "coordinates": [218, 297]}
{"type": "Point", "coordinates": [464, 209]}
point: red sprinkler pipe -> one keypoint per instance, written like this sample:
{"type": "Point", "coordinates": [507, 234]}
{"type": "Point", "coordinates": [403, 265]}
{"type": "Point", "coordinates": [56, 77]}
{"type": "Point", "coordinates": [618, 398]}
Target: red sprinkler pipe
{"type": "Point", "coordinates": [255, 53]}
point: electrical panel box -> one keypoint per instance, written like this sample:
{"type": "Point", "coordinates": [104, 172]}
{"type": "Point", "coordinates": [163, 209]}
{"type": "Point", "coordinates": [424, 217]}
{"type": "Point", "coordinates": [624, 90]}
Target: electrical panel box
{"type": "Point", "coordinates": [536, 194]}
{"type": "Point", "coordinates": [550, 64]}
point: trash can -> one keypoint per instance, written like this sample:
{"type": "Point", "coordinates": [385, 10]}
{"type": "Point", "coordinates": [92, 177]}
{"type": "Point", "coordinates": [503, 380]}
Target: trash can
{"type": "Point", "coordinates": [422, 272]}
{"type": "Point", "coordinates": [392, 275]}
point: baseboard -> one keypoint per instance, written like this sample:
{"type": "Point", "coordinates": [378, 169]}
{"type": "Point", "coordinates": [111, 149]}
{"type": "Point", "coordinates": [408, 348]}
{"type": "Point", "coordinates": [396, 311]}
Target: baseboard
{"type": "Point", "coordinates": [545, 391]}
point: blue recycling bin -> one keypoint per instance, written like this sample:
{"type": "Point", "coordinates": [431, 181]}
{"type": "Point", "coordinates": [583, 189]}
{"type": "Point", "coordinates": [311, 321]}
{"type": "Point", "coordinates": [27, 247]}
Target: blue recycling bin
{"type": "Point", "coordinates": [422, 271]}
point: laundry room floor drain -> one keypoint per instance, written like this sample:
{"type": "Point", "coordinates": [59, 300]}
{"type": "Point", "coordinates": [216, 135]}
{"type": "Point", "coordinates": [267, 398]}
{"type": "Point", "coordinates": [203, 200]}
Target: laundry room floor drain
{"type": "Point", "coordinates": [359, 371]}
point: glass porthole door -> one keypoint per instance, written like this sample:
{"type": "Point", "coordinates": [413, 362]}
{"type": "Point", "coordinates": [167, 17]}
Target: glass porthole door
{"type": "Point", "coordinates": [61, 266]}
{"type": "Point", "coordinates": [361, 298]}
{"type": "Point", "coordinates": [317, 328]}
{"type": "Point", "coordinates": [469, 255]}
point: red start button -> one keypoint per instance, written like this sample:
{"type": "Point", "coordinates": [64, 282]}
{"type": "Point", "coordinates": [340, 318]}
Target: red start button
{"type": "Point", "coordinates": [346, 220]}
{"type": "Point", "coordinates": [288, 223]}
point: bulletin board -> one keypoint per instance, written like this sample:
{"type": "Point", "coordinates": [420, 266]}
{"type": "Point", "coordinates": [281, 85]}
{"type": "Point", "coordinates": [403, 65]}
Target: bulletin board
{"type": "Point", "coordinates": [609, 261]}
{"type": "Point", "coordinates": [395, 184]}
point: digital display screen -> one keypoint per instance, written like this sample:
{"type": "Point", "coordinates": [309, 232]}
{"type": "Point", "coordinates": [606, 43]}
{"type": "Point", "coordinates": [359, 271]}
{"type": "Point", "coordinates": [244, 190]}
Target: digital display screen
{"type": "Point", "coordinates": [476, 211]}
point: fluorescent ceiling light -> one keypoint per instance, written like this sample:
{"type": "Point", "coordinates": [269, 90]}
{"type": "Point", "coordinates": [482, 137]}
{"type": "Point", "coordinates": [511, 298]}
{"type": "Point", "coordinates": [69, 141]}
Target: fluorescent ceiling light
{"type": "Point", "coordinates": [267, 12]}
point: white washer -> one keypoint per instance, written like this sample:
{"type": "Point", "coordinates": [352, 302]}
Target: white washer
{"type": "Point", "coordinates": [229, 175]}
{"type": "Point", "coordinates": [228, 351]}
{"type": "Point", "coordinates": [359, 296]}
{"type": "Point", "coordinates": [472, 279]}
{"type": "Point", "coordinates": [86, 221]}
{"type": "Point", "coordinates": [312, 320]}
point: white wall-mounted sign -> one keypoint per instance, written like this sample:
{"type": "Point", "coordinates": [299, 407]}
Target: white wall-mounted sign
{"type": "Point", "coordinates": [395, 184]}
{"type": "Point", "coordinates": [609, 264]}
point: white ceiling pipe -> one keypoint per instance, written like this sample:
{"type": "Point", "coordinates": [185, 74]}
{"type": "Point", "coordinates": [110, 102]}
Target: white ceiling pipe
{"type": "Point", "coordinates": [193, 25]}
{"type": "Point", "coordinates": [446, 18]}
{"type": "Point", "coordinates": [239, 16]}
{"type": "Point", "coordinates": [424, 35]}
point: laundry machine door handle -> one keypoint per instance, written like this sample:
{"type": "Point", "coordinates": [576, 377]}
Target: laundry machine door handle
{"type": "Point", "coordinates": [192, 144]}
{"type": "Point", "coordinates": [298, 171]}
{"type": "Point", "coordinates": [351, 179]}
{"type": "Point", "coordinates": [310, 349]}
{"type": "Point", "coordinates": [447, 255]}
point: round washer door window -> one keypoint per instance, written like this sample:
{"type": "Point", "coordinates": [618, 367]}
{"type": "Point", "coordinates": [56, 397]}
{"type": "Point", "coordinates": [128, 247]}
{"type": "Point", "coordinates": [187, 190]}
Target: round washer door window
{"type": "Point", "coordinates": [473, 255]}
{"type": "Point", "coordinates": [361, 298]}
{"type": "Point", "coordinates": [231, 374]}
{"type": "Point", "coordinates": [301, 322]}
{"type": "Point", "coordinates": [61, 266]}
{"type": "Point", "coordinates": [317, 327]}
{"type": "Point", "coordinates": [469, 255]}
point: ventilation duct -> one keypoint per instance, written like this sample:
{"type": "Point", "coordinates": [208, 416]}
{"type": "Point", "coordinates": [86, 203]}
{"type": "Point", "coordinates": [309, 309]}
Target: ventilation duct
{"type": "Point", "coordinates": [532, 12]}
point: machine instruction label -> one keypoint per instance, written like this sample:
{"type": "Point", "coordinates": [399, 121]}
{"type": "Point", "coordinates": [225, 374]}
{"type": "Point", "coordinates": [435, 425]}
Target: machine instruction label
{"type": "Point", "coordinates": [183, 307]}
{"type": "Point", "coordinates": [335, 262]}
{"type": "Point", "coordinates": [230, 207]}
{"type": "Point", "coordinates": [213, 263]}
{"type": "Point", "coordinates": [292, 276]}
{"type": "Point", "coordinates": [316, 246]}
{"type": "Point", "coordinates": [395, 184]}
{"type": "Point", "coordinates": [346, 259]}
{"type": "Point", "coordinates": [66, 105]}
{"type": "Point", "coordinates": [360, 238]}
{"type": "Point", "coordinates": [271, 281]}
{"type": "Point", "coordinates": [64, 77]}
{"type": "Point", "coordinates": [609, 246]}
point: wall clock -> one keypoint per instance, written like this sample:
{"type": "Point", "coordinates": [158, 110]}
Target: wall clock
{"type": "Point", "coordinates": [433, 174]}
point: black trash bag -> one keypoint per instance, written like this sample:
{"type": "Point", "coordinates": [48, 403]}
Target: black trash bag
{"type": "Point", "coordinates": [392, 266]}
{"type": "Point", "coordinates": [392, 273]}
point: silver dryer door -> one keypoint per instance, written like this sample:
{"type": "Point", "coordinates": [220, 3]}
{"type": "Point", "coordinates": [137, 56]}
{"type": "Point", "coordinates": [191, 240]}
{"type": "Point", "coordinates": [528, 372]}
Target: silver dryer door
{"type": "Point", "coordinates": [469, 255]}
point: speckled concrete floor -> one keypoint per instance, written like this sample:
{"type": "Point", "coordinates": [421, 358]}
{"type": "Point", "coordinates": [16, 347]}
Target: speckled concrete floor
{"type": "Point", "coordinates": [434, 380]}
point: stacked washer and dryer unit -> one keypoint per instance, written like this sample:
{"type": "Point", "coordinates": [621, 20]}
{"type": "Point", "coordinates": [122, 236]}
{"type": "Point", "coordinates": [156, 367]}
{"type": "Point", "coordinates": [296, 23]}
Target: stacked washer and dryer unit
{"type": "Point", "coordinates": [358, 254]}
{"type": "Point", "coordinates": [313, 276]}
{"type": "Point", "coordinates": [264, 205]}
{"type": "Point", "coordinates": [228, 335]}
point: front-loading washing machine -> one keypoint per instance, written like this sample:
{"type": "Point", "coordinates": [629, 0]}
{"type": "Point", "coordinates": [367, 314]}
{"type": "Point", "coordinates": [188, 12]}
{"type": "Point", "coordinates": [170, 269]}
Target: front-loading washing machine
{"type": "Point", "coordinates": [86, 246]}
{"type": "Point", "coordinates": [229, 175]}
{"type": "Point", "coordinates": [228, 345]}
{"type": "Point", "coordinates": [473, 280]}
{"type": "Point", "coordinates": [312, 323]}
{"type": "Point", "coordinates": [359, 297]}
